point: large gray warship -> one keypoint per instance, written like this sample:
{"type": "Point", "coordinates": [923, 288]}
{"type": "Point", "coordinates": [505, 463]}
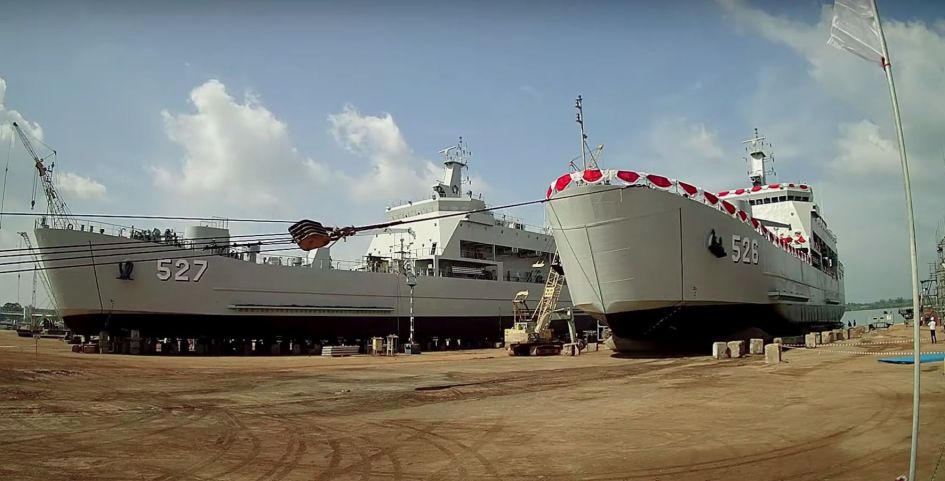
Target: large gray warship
{"type": "Point", "coordinates": [207, 283]}
{"type": "Point", "coordinates": [663, 261]}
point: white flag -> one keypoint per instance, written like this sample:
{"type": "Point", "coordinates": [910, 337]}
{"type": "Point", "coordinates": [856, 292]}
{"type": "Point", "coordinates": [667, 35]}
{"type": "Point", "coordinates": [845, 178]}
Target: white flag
{"type": "Point", "coordinates": [855, 28]}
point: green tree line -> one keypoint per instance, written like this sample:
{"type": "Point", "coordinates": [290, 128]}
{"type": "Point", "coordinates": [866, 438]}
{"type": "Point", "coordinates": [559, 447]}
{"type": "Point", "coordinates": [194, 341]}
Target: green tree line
{"type": "Point", "coordinates": [880, 304]}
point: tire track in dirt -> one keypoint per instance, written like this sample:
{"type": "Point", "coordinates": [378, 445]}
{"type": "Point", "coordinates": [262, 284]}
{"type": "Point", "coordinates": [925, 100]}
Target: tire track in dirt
{"type": "Point", "coordinates": [292, 452]}
{"type": "Point", "coordinates": [334, 461]}
{"type": "Point", "coordinates": [363, 466]}
{"type": "Point", "coordinates": [226, 444]}
{"type": "Point", "coordinates": [61, 437]}
{"type": "Point", "coordinates": [487, 465]}
{"type": "Point", "coordinates": [873, 454]}
{"type": "Point", "coordinates": [255, 443]}
{"type": "Point", "coordinates": [293, 463]}
{"type": "Point", "coordinates": [871, 423]}
{"type": "Point", "coordinates": [454, 461]}
{"type": "Point", "coordinates": [387, 450]}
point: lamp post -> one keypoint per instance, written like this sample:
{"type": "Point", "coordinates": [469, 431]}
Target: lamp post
{"type": "Point", "coordinates": [412, 282]}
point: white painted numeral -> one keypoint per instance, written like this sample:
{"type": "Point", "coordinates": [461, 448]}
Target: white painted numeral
{"type": "Point", "coordinates": [163, 271]}
{"type": "Point", "coordinates": [182, 266]}
{"type": "Point", "coordinates": [202, 267]}
{"type": "Point", "coordinates": [744, 250]}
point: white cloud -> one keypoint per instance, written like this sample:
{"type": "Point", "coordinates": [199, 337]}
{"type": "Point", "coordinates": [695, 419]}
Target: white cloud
{"type": "Point", "coordinates": [236, 153]}
{"type": "Point", "coordinates": [915, 48]}
{"type": "Point", "coordinates": [393, 168]}
{"type": "Point", "coordinates": [79, 186]}
{"type": "Point", "coordinates": [689, 150]}
{"type": "Point", "coordinates": [862, 150]}
{"type": "Point", "coordinates": [8, 116]}
{"type": "Point", "coordinates": [838, 120]}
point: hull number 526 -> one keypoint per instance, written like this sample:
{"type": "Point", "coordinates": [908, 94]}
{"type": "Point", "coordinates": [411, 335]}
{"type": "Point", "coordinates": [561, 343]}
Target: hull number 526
{"type": "Point", "coordinates": [744, 250]}
{"type": "Point", "coordinates": [180, 269]}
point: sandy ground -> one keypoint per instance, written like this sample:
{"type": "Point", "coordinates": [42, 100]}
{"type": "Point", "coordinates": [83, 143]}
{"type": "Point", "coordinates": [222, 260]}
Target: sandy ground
{"type": "Point", "coordinates": [830, 413]}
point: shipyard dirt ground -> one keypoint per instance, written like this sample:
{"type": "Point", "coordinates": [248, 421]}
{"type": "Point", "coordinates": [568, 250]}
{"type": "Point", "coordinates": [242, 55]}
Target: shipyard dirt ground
{"type": "Point", "coordinates": [829, 413]}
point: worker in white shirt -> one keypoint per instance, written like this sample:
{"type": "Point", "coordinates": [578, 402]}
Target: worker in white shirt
{"type": "Point", "coordinates": [932, 328]}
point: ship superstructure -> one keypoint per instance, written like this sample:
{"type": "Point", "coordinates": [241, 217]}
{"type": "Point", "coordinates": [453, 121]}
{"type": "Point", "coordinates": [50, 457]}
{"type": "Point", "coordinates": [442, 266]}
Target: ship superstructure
{"type": "Point", "coordinates": [206, 282]}
{"type": "Point", "coordinates": [661, 260]}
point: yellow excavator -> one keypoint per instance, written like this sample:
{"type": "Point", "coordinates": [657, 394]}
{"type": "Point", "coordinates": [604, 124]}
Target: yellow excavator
{"type": "Point", "coordinates": [531, 332]}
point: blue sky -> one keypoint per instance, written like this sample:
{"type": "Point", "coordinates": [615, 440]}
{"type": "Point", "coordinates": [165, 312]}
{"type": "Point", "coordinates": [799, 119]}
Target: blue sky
{"type": "Point", "coordinates": [117, 88]}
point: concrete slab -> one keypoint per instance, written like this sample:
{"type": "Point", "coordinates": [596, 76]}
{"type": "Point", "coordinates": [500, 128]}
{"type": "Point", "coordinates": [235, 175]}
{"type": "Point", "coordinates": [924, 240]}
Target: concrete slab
{"type": "Point", "coordinates": [736, 349]}
{"type": "Point", "coordinates": [818, 338]}
{"type": "Point", "coordinates": [810, 340]}
{"type": "Point", "coordinates": [720, 350]}
{"type": "Point", "coordinates": [826, 337]}
{"type": "Point", "coordinates": [756, 346]}
{"type": "Point", "coordinates": [773, 354]}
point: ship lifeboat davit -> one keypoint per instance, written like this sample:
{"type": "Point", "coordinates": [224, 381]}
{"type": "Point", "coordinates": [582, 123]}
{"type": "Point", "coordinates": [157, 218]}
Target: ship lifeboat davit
{"type": "Point", "coordinates": [310, 235]}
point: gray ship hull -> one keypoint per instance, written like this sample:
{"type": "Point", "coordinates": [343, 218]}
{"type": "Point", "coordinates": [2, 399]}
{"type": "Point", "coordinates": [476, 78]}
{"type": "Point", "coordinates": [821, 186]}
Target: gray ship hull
{"type": "Point", "coordinates": [221, 296]}
{"type": "Point", "coordinates": [637, 258]}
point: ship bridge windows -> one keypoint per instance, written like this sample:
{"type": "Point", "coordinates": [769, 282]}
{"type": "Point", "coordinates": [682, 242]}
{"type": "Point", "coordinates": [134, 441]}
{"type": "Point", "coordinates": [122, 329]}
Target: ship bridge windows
{"type": "Point", "coordinates": [779, 198]}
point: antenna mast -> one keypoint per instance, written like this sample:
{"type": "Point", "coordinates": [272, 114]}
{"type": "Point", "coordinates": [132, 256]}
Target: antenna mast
{"type": "Point", "coordinates": [760, 159]}
{"type": "Point", "coordinates": [579, 105]}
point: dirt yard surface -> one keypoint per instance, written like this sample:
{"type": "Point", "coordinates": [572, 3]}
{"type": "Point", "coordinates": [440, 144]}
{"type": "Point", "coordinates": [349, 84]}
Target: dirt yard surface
{"type": "Point", "coordinates": [829, 413]}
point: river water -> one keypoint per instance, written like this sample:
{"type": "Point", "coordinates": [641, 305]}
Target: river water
{"type": "Point", "coordinates": [866, 316]}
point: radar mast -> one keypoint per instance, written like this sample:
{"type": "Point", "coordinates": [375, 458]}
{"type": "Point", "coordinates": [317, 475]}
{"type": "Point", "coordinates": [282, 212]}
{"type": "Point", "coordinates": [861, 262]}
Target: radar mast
{"type": "Point", "coordinates": [760, 159]}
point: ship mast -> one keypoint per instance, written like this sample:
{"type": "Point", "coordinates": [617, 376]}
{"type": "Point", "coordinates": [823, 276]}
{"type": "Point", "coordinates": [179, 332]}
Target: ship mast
{"type": "Point", "coordinates": [759, 159]}
{"type": "Point", "coordinates": [585, 164]}
{"type": "Point", "coordinates": [455, 159]}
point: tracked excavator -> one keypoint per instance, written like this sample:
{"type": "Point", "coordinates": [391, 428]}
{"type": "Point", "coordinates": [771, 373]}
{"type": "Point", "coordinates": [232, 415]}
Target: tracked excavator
{"type": "Point", "coordinates": [531, 332]}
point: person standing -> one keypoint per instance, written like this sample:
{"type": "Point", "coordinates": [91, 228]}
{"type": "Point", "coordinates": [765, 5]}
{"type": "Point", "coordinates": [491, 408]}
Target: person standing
{"type": "Point", "coordinates": [932, 328]}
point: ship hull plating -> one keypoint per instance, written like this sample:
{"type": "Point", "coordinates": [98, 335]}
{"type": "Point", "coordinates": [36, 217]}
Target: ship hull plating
{"type": "Point", "coordinates": [181, 292]}
{"type": "Point", "coordinates": [638, 259]}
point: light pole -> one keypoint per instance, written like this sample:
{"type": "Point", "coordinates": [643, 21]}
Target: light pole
{"type": "Point", "coordinates": [412, 282]}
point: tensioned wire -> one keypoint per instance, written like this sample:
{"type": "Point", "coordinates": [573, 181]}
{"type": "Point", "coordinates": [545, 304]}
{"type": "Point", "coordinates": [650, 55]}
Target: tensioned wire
{"type": "Point", "coordinates": [358, 230]}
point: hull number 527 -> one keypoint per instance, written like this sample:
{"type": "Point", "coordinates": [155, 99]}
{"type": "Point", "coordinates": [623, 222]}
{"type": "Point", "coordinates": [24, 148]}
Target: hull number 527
{"type": "Point", "coordinates": [180, 269]}
{"type": "Point", "coordinates": [744, 250]}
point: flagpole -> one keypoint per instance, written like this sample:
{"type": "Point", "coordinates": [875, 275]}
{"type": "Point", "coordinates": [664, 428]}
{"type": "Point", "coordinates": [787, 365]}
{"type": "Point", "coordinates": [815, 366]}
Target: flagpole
{"type": "Point", "coordinates": [887, 67]}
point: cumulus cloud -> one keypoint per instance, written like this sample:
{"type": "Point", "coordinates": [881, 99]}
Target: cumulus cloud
{"type": "Point", "coordinates": [859, 85]}
{"type": "Point", "coordinates": [842, 132]}
{"type": "Point", "coordinates": [79, 186]}
{"type": "Point", "coordinates": [8, 116]}
{"type": "Point", "coordinates": [690, 150]}
{"type": "Point", "coordinates": [239, 155]}
{"type": "Point", "coordinates": [393, 167]}
{"type": "Point", "coordinates": [861, 149]}
{"type": "Point", "coordinates": [236, 152]}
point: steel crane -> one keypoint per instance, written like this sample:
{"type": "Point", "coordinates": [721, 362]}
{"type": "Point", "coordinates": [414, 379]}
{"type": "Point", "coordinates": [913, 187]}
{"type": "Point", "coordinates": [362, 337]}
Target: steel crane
{"type": "Point", "coordinates": [55, 207]}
